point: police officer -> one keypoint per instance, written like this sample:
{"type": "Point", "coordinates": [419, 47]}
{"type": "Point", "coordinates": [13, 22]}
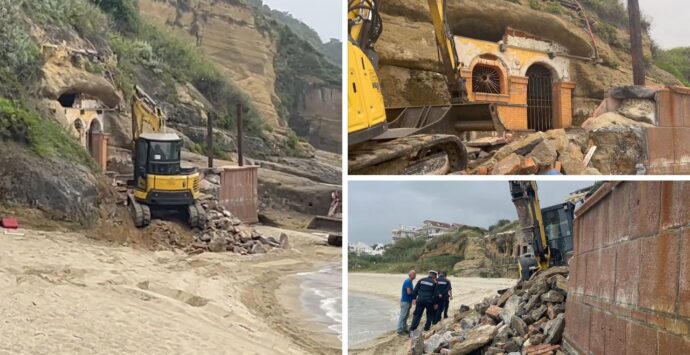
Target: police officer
{"type": "Point", "coordinates": [424, 297]}
{"type": "Point", "coordinates": [444, 296]}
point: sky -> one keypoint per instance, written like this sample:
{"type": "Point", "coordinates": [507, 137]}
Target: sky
{"type": "Point", "coordinates": [669, 21]}
{"type": "Point", "coordinates": [324, 16]}
{"type": "Point", "coordinates": [377, 207]}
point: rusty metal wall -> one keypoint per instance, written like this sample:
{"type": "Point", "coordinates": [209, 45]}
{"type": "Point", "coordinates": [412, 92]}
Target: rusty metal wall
{"type": "Point", "coordinates": [239, 192]}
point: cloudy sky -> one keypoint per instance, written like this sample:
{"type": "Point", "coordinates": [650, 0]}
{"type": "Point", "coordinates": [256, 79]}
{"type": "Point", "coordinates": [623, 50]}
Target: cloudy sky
{"type": "Point", "coordinates": [377, 207]}
{"type": "Point", "coordinates": [324, 16]}
{"type": "Point", "coordinates": [669, 21]}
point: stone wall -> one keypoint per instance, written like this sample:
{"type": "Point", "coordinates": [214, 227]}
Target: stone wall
{"type": "Point", "coordinates": [628, 290]}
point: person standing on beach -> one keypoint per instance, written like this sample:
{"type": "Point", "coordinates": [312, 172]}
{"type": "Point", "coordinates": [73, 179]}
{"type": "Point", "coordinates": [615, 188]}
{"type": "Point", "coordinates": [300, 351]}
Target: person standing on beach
{"type": "Point", "coordinates": [425, 297]}
{"type": "Point", "coordinates": [406, 302]}
{"type": "Point", "coordinates": [444, 296]}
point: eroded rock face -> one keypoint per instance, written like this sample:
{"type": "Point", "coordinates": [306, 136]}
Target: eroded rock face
{"type": "Point", "coordinates": [62, 189]}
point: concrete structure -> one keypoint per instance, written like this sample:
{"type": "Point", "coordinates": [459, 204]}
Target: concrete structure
{"type": "Point", "coordinates": [526, 76]}
{"type": "Point", "coordinates": [405, 232]}
{"type": "Point", "coordinates": [668, 145]}
{"type": "Point", "coordinates": [82, 115]}
{"type": "Point", "coordinates": [629, 286]}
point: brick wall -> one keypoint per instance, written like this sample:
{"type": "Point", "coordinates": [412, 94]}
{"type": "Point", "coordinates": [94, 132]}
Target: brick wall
{"type": "Point", "coordinates": [668, 145]}
{"type": "Point", "coordinates": [629, 287]}
{"type": "Point", "coordinates": [563, 104]}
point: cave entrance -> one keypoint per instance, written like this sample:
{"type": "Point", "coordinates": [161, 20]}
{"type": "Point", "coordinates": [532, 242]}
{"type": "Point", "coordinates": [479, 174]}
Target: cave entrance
{"type": "Point", "coordinates": [539, 98]}
{"type": "Point", "coordinates": [68, 99]}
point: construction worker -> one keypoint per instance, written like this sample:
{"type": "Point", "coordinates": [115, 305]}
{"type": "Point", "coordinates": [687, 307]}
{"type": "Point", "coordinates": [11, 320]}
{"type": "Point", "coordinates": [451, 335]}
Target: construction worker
{"type": "Point", "coordinates": [406, 302]}
{"type": "Point", "coordinates": [444, 296]}
{"type": "Point", "coordinates": [425, 297]}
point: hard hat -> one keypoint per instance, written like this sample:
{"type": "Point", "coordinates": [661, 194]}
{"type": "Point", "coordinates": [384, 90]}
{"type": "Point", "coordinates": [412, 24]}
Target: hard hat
{"type": "Point", "coordinates": [433, 272]}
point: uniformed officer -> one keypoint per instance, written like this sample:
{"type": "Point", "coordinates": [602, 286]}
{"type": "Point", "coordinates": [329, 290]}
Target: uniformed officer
{"type": "Point", "coordinates": [425, 297]}
{"type": "Point", "coordinates": [444, 296]}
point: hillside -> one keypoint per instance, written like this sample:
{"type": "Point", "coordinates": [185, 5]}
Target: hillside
{"type": "Point", "coordinates": [53, 51]}
{"type": "Point", "coordinates": [468, 252]}
{"type": "Point", "coordinates": [675, 61]}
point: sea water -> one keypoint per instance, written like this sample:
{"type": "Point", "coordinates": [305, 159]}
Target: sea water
{"type": "Point", "coordinates": [370, 317]}
{"type": "Point", "coordinates": [322, 297]}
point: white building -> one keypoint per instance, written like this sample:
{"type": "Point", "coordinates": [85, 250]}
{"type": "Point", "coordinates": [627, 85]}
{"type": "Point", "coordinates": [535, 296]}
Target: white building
{"type": "Point", "coordinates": [403, 232]}
{"type": "Point", "coordinates": [361, 248]}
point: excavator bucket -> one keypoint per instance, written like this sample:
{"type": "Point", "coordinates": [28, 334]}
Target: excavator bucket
{"type": "Point", "coordinates": [445, 119]}
{"type": "Point", "coordinates": [326, 224]}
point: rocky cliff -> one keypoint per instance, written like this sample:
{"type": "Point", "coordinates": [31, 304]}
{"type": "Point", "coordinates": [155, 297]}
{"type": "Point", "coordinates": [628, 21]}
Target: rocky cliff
{"type": "Point", "coordinates": [244, 41]}
{"type": "Point", "coordinates": [409, 61]}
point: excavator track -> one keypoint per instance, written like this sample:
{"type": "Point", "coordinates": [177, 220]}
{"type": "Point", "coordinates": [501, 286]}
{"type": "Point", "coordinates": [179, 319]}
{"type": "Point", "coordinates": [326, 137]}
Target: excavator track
{"type": "Point", "coordinates": [423, 154]}
{"type": "Point", "coordinates": [196, 216]}
{"type": "Point", "coordinates": [141, 213]}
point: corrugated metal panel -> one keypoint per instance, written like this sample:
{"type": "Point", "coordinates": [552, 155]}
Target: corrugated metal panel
{"type": "Point", "coordinates": [239, 192]}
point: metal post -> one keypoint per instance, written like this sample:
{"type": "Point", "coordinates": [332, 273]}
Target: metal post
{"type": "Point", "coordinates": [636, 42]}
{"type": "Point", "coordinates": [209, 139]}
{"type": "Point", "coordinates": [240, 133]}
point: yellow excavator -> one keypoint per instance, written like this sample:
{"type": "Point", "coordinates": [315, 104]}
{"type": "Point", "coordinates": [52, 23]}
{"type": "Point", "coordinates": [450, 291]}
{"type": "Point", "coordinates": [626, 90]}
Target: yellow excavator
{"type": "Point", "coordinates": [160, 183]}
{"type": "Point", "coordinates": [548, 231]}
{"type": "Point", "coordinates": [406, 140]}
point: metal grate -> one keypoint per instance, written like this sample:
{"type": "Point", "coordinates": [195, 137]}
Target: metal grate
{"type": "Point", "coordinates": [539, 99]}
{"type": "Point", "coordinates": [486, 79]}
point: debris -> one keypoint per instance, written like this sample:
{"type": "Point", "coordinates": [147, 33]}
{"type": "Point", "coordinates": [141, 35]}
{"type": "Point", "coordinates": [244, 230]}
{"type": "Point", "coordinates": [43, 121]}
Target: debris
{"type": "Point", "coordinates": [589, 155]}
{"type": "Point", "coordinates": [639, 110]}
{"type": "Point", "coordinates": [531, 320]}
{"type": "Point", "coordinates": [632, 92]}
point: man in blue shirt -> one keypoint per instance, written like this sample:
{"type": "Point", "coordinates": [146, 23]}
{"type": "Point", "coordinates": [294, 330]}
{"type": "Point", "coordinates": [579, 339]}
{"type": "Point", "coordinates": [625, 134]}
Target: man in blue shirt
{"type": "Point", "coordinates": [406, 302]}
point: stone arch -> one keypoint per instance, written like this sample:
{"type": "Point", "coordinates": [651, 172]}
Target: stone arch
{"type": "Point", "coordinates": [95, 126]}
{"type": "Point", "coordinates": [486, 64]}
{"type": "Point", "coordinates": [555, 75]}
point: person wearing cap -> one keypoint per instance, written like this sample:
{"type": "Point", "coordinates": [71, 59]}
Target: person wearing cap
{"type": "Point", "coordinates": [444, 296]}
{"type": "Point", "coordinates": [425, 297]}
{"type": "Point", "coordinates": [406, 302]}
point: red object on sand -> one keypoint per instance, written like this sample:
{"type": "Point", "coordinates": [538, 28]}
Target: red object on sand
{"type": "Point", "coordinates": [10, 223]}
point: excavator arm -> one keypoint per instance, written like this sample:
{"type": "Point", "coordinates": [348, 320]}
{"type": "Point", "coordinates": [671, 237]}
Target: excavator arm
{"type": "Point", "coordinates": [145, 110]}
{"type": "Point", "coordinates": [526, 201]}
{"type": "Point", "coordinates": [447, 51]}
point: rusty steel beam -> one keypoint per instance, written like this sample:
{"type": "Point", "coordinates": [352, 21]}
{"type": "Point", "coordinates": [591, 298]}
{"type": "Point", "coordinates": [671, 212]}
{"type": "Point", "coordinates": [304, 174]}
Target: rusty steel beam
{"type": "Point", "coordinates": [636, 42]}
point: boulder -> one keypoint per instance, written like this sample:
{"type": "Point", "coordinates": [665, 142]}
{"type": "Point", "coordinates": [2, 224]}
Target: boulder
{"type": "Point", "coordinates": [434, 342]}
{"type": "Point", "coordinates": [475, 339]}
{"type": "Point", "coordinates": [417, 342]}
{"type": "Point", "coordinates": [544, 153]}
{"type": "Point", "coordinates": [538, 313]}
{"type": "Point", "coordinates": [510, 308]}
{"type": "Point", "coordinates": [572, 160]}
{"type": "Point", "coordinates": [558, 138]}
{"type": "Point", "coordinates": [217, 244]}
{"type": "Point", "coordinates": [621, 143]}
{"type": "Point", "coordinates": [494, 312]}
{"type": "Point", "coordinates": [639, 110]}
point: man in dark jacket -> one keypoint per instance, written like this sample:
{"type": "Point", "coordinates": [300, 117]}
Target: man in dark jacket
{"type": "Point", "coordinates": [424, 297]}
{"type": "Point", "coordinates": [444, 296]}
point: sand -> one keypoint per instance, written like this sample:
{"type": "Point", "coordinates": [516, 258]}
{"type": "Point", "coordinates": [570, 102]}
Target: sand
{"type": "Point", "coordinates": [466, 290]}
{"type": "Point", "coordinates": [63, 293]}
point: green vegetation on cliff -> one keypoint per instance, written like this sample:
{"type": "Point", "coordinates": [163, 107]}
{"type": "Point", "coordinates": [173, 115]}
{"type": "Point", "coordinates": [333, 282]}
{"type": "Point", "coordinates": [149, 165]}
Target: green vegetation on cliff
{"type": "Point", "coordinates": [675, 61]}
{"type": "Point", "coordinates": [439, 253]}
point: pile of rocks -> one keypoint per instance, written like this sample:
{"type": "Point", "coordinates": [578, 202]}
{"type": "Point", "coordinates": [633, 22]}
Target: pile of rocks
{"type": "Point", "coordinates": [225, 232]}
{"type": "Point", "coordinates": [526, 319]}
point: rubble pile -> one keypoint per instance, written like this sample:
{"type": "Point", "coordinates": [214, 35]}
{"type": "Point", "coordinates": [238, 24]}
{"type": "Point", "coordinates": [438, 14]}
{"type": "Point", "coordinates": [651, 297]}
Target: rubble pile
{"type": "Point", "coordinates": [611, 142]}
{"type": "Point", "coordinates": [526, 319]}
{"type": "Point", "coordinates": [225, 232]}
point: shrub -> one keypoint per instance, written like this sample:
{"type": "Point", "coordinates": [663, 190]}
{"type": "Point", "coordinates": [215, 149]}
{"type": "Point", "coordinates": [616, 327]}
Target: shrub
{"type": "Point", "coordinates": [19, 56]}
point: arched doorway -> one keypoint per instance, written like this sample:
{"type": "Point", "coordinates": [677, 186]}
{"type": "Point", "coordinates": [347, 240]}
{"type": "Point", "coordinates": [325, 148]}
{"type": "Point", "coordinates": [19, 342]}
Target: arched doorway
{"type": "Point", "coordinates": [539, 98]}
{"type": "Point", "coordinates": [91, 136]}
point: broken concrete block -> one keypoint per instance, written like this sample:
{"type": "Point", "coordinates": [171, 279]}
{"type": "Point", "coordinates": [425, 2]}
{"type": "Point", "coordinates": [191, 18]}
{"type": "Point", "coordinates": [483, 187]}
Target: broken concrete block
{"type": "Point", "coordinates": [494, 312]}
{"type": "Point", "coordinates": [518, 325]}
{"type": "Point", "coordinates": [538, 313]}
{"type": "Point", "coordinates": [554, 329]}
{"type": "Point", "coordinates": [558, 138]}
{"type": "Point", "coordinates": [510, 308]}
{"type": "Point", "coordinates": [571, 160]}
{"type": "Point", "coordinates": [529, 166]}
{"type": "Point", "coordinates": [475, 339]}
{"type": "Point", "coordinates": [553, 297]}
{"type": "Point", "coordinates": [511, 165]}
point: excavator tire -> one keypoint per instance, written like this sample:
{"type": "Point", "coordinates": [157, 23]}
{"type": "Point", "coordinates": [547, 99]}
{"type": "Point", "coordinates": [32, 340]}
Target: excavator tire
{"type": "Point", "coordinates": [423, 154]}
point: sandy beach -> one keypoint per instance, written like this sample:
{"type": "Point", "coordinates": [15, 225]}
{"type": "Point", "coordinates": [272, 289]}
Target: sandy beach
{"type": "Point", "coordinates": [63, 293]}
{"type": "Point", "coordinates": [466, 290]}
